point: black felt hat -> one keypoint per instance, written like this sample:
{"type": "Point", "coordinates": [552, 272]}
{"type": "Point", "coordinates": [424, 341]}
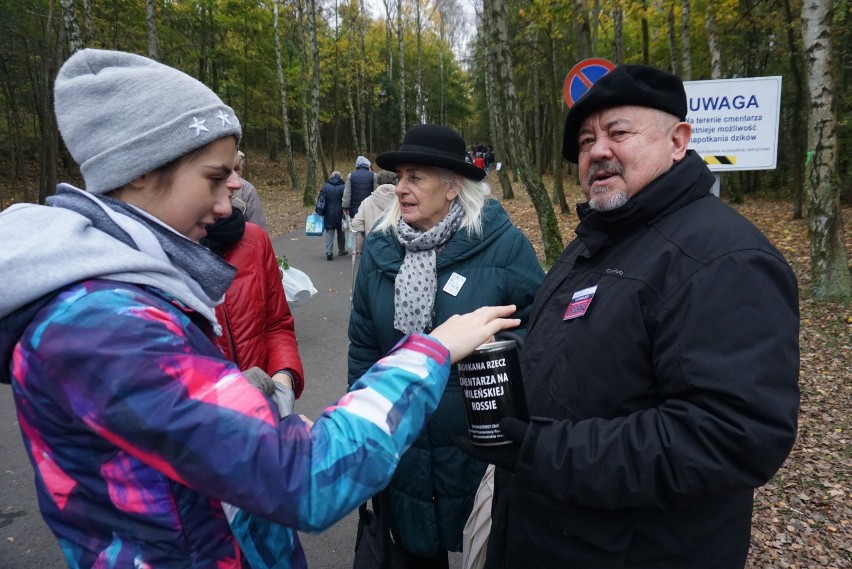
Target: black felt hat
{"type": "Point", "coordinates": [432, 145]}
{"type": "Point", "coordinates": [638, 85]}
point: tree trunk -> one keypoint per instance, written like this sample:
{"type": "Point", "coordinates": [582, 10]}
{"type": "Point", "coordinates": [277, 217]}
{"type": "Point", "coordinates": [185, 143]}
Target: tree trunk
{"type": "Point", "coordinates": [418, 77]}
{"type": "Point", "coordinates": [496, 118]}
{"type": "Point", "coordinates": [441, 34]}
{"type": "Point", "coordinates": [685, 43]}
{"type": "Point", "coordinates": [518, 150]}
{"type": "Point", "coordinates": [556, 132]}
{"type": "Point", "coordinates": [713, 46]}
{"type": "Point", "coordinates": [596, 17]}
{"type": "Point", "coordinates": [646, 58]}
{"type": "Point", "coordinates": [402, 123]}
{"type": "Point", "coordinates": [313, 123]}
{"type": "Point", "coordinates": [538, 139]}
{"type": "Point", "coordinates": [282, 93]}
{"type": "Point", "coordinates": [72, 29]}
{"type": "Point", "coordinates": [582, 39]}
{"type": "Point", "coordinates": [89, 22]}
{"type": "Point", "coordinates": [618, 34]}
{"type": "Point", "coordinates": [798, 136]}
{"type": "Point", "coordinates": [672, 40]}
{"type": "Point", "coordinates": [151, 24]}
{"type": "Point", "coordinates": [359, 87]}
{"type": "Point", "coordinates": [830, 278]}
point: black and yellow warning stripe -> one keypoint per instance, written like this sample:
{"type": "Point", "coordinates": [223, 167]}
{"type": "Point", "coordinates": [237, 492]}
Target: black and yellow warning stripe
{"type": "Point", "coordinates": [725, 160]}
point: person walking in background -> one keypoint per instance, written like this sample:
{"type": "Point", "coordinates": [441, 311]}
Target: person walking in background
{"type": "Point", "coordinates": [359, 184]}
{"type": "Point", "coordinates": [136, 426]}
{"type": "Point", "coordinates": [661, 361]}
{"type": "Point", "coordinates": [249, 196]}
{"type": "Point", "coordinates": [330, 207]}
{"type": "Point", "coordinates": [479, 161]}
{"type": "Point", "coordinates": [373, 207]}
{"type": "Point", "coordinates": [444, 247]}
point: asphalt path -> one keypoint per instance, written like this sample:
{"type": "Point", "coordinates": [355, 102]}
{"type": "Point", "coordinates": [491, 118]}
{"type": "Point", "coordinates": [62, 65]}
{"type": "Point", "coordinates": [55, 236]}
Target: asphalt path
{"type": "Point", "coordinates": [321, 328]}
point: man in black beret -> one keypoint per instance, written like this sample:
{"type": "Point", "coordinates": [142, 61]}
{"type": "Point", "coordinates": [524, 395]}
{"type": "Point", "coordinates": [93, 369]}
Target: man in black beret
{"type": "Point", "coordinates": [661, 360]}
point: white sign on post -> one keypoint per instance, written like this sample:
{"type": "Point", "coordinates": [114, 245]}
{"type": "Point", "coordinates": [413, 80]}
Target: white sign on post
{"type": "Point", "coordinates": [735, 122]}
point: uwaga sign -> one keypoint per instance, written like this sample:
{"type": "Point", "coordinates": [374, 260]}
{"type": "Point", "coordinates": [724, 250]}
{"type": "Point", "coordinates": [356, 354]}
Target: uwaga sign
{"type": "Point", "coordinates": [735, 122]}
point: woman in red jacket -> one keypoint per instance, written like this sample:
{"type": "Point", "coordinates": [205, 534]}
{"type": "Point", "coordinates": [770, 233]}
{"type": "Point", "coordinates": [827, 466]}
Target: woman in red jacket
{"type": "Point", "coordinates": [257, 326]}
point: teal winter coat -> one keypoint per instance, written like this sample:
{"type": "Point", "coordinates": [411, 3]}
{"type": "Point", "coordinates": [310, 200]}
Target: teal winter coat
{"type": "Point", "coordinates": [433, 488]}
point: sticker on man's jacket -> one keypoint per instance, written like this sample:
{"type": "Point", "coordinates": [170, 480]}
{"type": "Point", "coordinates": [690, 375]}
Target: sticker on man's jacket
{"type": "Point", "coordinates": [580, 302]}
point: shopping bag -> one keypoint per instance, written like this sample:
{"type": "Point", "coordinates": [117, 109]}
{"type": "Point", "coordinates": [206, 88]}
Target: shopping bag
{"type": "Point", "coordinates": [346, 222]}
{"type": "Point", "coordinates": [314, 224]}
{"type": "Point", "coordinates": [375, 547]}
{"type": "Point", "coordinates": [478, 526]}
{"type": "Point", "coordinates": [298, 287]}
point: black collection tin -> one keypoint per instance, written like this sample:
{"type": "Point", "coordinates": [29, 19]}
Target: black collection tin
{"type": "Point", "coordinates": [492, 388]}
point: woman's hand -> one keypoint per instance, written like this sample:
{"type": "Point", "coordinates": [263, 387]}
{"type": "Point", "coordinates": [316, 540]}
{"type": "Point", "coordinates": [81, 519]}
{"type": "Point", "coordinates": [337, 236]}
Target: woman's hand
{"type": "Point", "coordinates": [461, 334]}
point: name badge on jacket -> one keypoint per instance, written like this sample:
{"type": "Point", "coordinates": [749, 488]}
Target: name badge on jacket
{"type": "Point", "coordinates": [580, 302]}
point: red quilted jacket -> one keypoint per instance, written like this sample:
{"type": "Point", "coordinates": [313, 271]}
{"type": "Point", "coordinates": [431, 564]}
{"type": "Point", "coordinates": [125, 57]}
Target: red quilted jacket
{"type": "Point", "coordinates": [257, 325]}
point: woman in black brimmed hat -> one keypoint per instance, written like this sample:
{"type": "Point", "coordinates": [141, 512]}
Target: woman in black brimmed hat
{"type": "Point", "coordinates": [444, 247]}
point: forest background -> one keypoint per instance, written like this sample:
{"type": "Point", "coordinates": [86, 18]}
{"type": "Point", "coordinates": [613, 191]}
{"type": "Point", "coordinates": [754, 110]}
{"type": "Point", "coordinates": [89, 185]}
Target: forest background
{"type": "Point", "coordinates": [317, 82]}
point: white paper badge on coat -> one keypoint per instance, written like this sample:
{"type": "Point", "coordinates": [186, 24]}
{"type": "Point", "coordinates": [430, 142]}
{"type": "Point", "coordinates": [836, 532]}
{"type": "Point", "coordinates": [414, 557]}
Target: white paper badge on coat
{"type": "Point", "coordinates": [454, 284]}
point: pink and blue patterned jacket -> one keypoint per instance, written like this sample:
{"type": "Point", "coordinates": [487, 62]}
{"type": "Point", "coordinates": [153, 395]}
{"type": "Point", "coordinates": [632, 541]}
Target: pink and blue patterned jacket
{"type": "Point", "coordinates": [137, 428]}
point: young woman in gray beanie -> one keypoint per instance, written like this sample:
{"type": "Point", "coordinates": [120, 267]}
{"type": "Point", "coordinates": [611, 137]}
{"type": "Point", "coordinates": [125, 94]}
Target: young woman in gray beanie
{"type": "Point", "coordinates": [137, 427]}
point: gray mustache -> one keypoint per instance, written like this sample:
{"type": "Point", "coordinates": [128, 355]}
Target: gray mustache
{"type": "Point", "coordinates": [607, 167]}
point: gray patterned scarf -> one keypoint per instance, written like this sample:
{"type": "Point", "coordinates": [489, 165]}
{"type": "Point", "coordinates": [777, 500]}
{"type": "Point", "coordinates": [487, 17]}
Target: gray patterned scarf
{"type": "Point", "coordinates": [417, 281]}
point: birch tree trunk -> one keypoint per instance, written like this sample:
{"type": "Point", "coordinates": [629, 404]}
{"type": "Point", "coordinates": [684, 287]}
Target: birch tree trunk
{"type": "Point", "coordinates": [389, 34]}
{"type": "Point", "coordinates": [518, 151]}
{"type": "Point", "coordinates": [496, 111]}
{"type": "Point", "coordinates": [830, 278]}
{"type": "Point", "coordinates": [72, 29]}
{"type": "Point", "coordinates": [685, 43]}
{"type": "Point", "coordinates": [402, 125]}
{"type": "Point", "coordinates": [713, 45]}
{"type": "Point", "coordinates": [313, 122]}
{"type": "Point", "coordinates": [89, 22]}
{"type": "Point", "coordinates": [151, 24]}
{"type": "Point", "coordinates": [359, 87]}
{"type": "Point", "coordinates": [282, 93]}
{"type": "Point", "coordinates": [418, 76]}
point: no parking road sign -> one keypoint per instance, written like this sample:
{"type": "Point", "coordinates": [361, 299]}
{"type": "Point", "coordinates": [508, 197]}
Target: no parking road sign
{"type": "Point", "coordinates": [582, 76]}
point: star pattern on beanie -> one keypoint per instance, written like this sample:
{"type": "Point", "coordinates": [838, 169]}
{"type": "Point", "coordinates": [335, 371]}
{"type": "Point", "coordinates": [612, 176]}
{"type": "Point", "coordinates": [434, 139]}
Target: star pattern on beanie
{"type": "Point", "coordinates": [223, 117]}
{"type": "Point", "coordinates": [198, 125]}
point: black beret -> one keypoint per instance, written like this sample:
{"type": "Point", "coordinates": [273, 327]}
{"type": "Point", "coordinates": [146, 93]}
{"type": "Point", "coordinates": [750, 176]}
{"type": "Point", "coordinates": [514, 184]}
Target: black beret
{"type": "Point", "coordinates": [638, 85]}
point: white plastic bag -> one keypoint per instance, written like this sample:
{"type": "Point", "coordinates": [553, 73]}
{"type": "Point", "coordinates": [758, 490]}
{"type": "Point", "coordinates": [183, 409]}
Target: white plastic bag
{"type": "Point", "coordinates": [298, 287]}
{"type": "Point", "coordinates": [345, 222]}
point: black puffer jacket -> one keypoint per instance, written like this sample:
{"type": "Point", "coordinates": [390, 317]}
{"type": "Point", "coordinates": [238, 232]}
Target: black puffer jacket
{"type": "Point", "coordinates": [331, 195]}
{"type": "Point", "coordinates": [665, 404]}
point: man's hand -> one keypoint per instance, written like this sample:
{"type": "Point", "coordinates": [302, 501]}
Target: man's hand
{"type": "Point", "coordinates": [503, 456]}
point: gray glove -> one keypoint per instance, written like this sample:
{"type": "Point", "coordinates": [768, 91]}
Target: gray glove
{"type": "Point", "coordinates": [261, 380]}
{"type": "Point", "coordinates": [284, 398]}
{"type": "Point", "coordinates": [282, 395]}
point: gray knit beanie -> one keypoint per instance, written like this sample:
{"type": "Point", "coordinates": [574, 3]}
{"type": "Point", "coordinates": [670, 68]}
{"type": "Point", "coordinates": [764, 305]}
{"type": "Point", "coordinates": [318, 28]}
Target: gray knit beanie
{"type": "Point", "coordinates": [122, 115]}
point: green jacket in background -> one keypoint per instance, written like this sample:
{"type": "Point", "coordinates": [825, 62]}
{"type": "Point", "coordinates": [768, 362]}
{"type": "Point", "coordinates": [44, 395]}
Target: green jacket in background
{"type": "Point", "coordinates": [433, 488]}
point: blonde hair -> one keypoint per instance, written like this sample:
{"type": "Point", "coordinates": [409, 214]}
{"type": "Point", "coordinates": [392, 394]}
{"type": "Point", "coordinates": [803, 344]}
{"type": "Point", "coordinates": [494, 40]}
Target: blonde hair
{"type": "Point", "coordinates": [471, 196]}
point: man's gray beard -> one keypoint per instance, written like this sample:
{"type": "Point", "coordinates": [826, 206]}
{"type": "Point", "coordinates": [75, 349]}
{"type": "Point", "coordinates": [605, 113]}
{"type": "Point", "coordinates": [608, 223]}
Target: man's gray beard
{"type": "Point", "coordinates": [608, 202]}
